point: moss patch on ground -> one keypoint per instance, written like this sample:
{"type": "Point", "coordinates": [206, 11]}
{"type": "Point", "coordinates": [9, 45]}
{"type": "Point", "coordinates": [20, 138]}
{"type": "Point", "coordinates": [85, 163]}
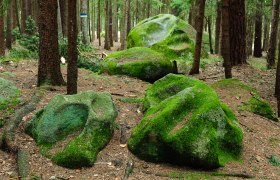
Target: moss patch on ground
{"type": "Point", "coordinates": [186, 124]}
{"type": "Point", "coordinates": [254, 103]}
{"type": "Point", "coordinates": [140, 62]}
{"type": "Point", "coordinates": [9, 94]}
{"type": "Point", "coordinates": [71, 130]}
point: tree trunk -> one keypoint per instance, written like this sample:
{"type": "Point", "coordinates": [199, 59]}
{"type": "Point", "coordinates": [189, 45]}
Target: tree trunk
{"type": "Point", "coordinates": [93, 21]}
{"type": "Point", "coordinates": [64, 15]}
{"type": "Point", "coordinates": [115, 21]}
{"type": "Point", "coordinates": [210, 34]}
{"type": "Point", "coordinates": [84, 23]}
{"type": "Point", "coordinates": [23, 15]}
{"type": "Point", "coordinates": [128, 17]}
{"type": "Point", "coordinates": [2, 36]}
{"type": "Point", "coordinates": [99, 22]}
{"type": "Point", "coordinates": [266, 35]}
{"type": "Point", "coordinates": [258, 31]}
{"type": "Point", "coordinates": [218, 24]}
{"type": "Point", "coordinates": [124, 28]}
{"type": "Point", "coordinates": [250, 35]}
{"type": "Point", "coordinates": [49, 61]}
{"type": "Point", "coordinates": [273, 35]}
{"type": "Point", "coordinates": [200, 18]}
{"type": "Point", "coordinates": [9, 26]}
{"type": "Point", "coordinates": [110, 14]}
{"type": "Point", "coordinates": [107, 36]}
{"type": "Point", "coordinates": [225, 39]}
{"type": "Point", "coordinates": [237, 32]}
{"type": "Point", "coordinates": [72, 69]}
{"type": "Point", "coordinates": [14, 14]}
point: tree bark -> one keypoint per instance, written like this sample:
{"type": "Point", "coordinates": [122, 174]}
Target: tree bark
{"type": "Point", "coordinates": [197, 53]}
{"type": "Point", "coordinates": [266, 35]}
{"type": "Point", "coordinates": [237, 32]}
{"type": "Point", "coordinates": [218, 24]}
{"type": "Point", "coordinates": [225, 39]}
{"type": "Point", "coordinates": [115, 21]}
{"type": "Point", "coordinates": [209, 22]}
{"type": "Point", "coordinates": [110, 14]}
{"type": "Point", "coordinates": [124, 28]}
{"type": "Point", "coordinates": [9, 26]}
{"type": "Point", "coordinates": [99, 22]}
{"type": "Point", "coordinates": [273, 35]}
{"type": "Point", "coordinates": [84, 23]}
{"type": "Point", "coordinates": [64, 15]}
{"type": "Point", "coordinates": [93, 19]}
{"type": "Point", "coordinates": [23, 15]}
{"type": "Point", "coordinates": [107, 36]}
{"type": "Point", "coordinates": [250, 35]}
{"type": "Point", "coordinates": [72, 69]}
{"type": "Point", "coordinates": [258, 31]}
{"type": "Point", "coordinates": [49, 62]}
{"type": "Point", "coordinates": [128, 17]}
{"type": "Point", "coordinates": [2, 35]}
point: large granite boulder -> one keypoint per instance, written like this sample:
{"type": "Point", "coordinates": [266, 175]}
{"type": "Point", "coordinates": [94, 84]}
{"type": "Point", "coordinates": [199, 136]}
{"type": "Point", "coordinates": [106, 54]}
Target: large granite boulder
{"type": "Point", "coordinates": [164, 33]}
{"type": "Point", "coordinates": [9, 94]}
{"type": "Point", "coordinates": [72, 129]}
{"type": "Point", "coordinates": [140, 62]}
{"type": "Point", "coordinates": [186, 124]}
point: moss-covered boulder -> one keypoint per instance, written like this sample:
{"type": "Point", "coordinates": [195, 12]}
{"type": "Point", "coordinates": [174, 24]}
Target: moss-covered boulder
{"type": "Point", "coordinates": [9, 94]}
{"type": "Point", "coordinates": [186, 124]}
{"type": "Point", "coordinates": [72, 129]}
{"type": "Point", "coordinates": [140, 62]}
{"type": "Point", "coordinates": [164, 33]}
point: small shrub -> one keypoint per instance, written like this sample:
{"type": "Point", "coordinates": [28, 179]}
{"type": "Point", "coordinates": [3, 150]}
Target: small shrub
{"type": "Point", "coordinates": [273, 160]}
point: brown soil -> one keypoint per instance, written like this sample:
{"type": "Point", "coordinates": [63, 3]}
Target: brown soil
{"type": "Point", "coordinates": [261, 136]}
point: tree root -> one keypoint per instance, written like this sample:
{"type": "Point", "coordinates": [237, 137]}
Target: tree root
{"type": "Point", "coordinates": [23, 163]}
{"type": "Point", "coordinates": [215, 174]}
{"type": "Point", "coordinates": [7, 140]}
{"type": "Point", "coordinates": [128, 169]}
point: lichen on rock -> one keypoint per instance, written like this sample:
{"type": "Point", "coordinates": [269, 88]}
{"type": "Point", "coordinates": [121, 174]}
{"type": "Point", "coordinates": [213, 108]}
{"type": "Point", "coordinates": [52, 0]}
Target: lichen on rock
{"type": "Point", "coordinates": [185, 123]}
{"type": "Point", "coordinates": [72, 129]}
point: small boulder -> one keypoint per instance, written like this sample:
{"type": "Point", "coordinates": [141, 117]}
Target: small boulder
{"type": "Point", "coordinates": [186, 124]}
{"type": "Point", "coordinates": [72, 129]}
{"type": "Point", "coordinates": [140, 62]}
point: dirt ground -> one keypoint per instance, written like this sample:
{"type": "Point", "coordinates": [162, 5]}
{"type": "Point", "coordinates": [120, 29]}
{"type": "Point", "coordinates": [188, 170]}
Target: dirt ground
{"type": "Point", "coordinates": [261, 136]}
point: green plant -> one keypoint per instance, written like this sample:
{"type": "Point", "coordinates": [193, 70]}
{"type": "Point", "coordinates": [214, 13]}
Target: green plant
{"type": "Point", "coordinates": [30, 39]}
{"type": "Point", "coordinates": [273, 160]}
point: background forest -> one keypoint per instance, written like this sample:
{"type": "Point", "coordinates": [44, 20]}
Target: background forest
{"type": "Point", "coordinates": [86, 90]}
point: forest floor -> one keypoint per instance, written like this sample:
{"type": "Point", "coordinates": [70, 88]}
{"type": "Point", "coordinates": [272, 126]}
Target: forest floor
{"type": "Point", "coordinates": [261, 136]}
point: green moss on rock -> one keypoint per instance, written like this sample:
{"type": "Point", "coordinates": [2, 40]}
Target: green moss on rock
{"type": "Point", "coordinates": [71, 130]}
{"type": "Point", "coordinates": [185, 123]}
{"type": "Point", "coordinates": [9, 94]}
{"type": "Point", "coordinates": [139, 62]}
{"type": "Point", "coordinates": [164, 33]}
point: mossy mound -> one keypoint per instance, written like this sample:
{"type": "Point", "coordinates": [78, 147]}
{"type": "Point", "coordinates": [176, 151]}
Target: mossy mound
{"type": "Point", "coordinates": [9, 94]}
{"type": "Point", "coordinates": [186, 124]}
{"type": "Point", "coordinates": [72, 129]}
{"type": "Point", "coordinates": [164, 33]}
{"type": "Point", "coordinates": [140, 62]}
{"type": "Point", "coordinates": [253, 102]}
